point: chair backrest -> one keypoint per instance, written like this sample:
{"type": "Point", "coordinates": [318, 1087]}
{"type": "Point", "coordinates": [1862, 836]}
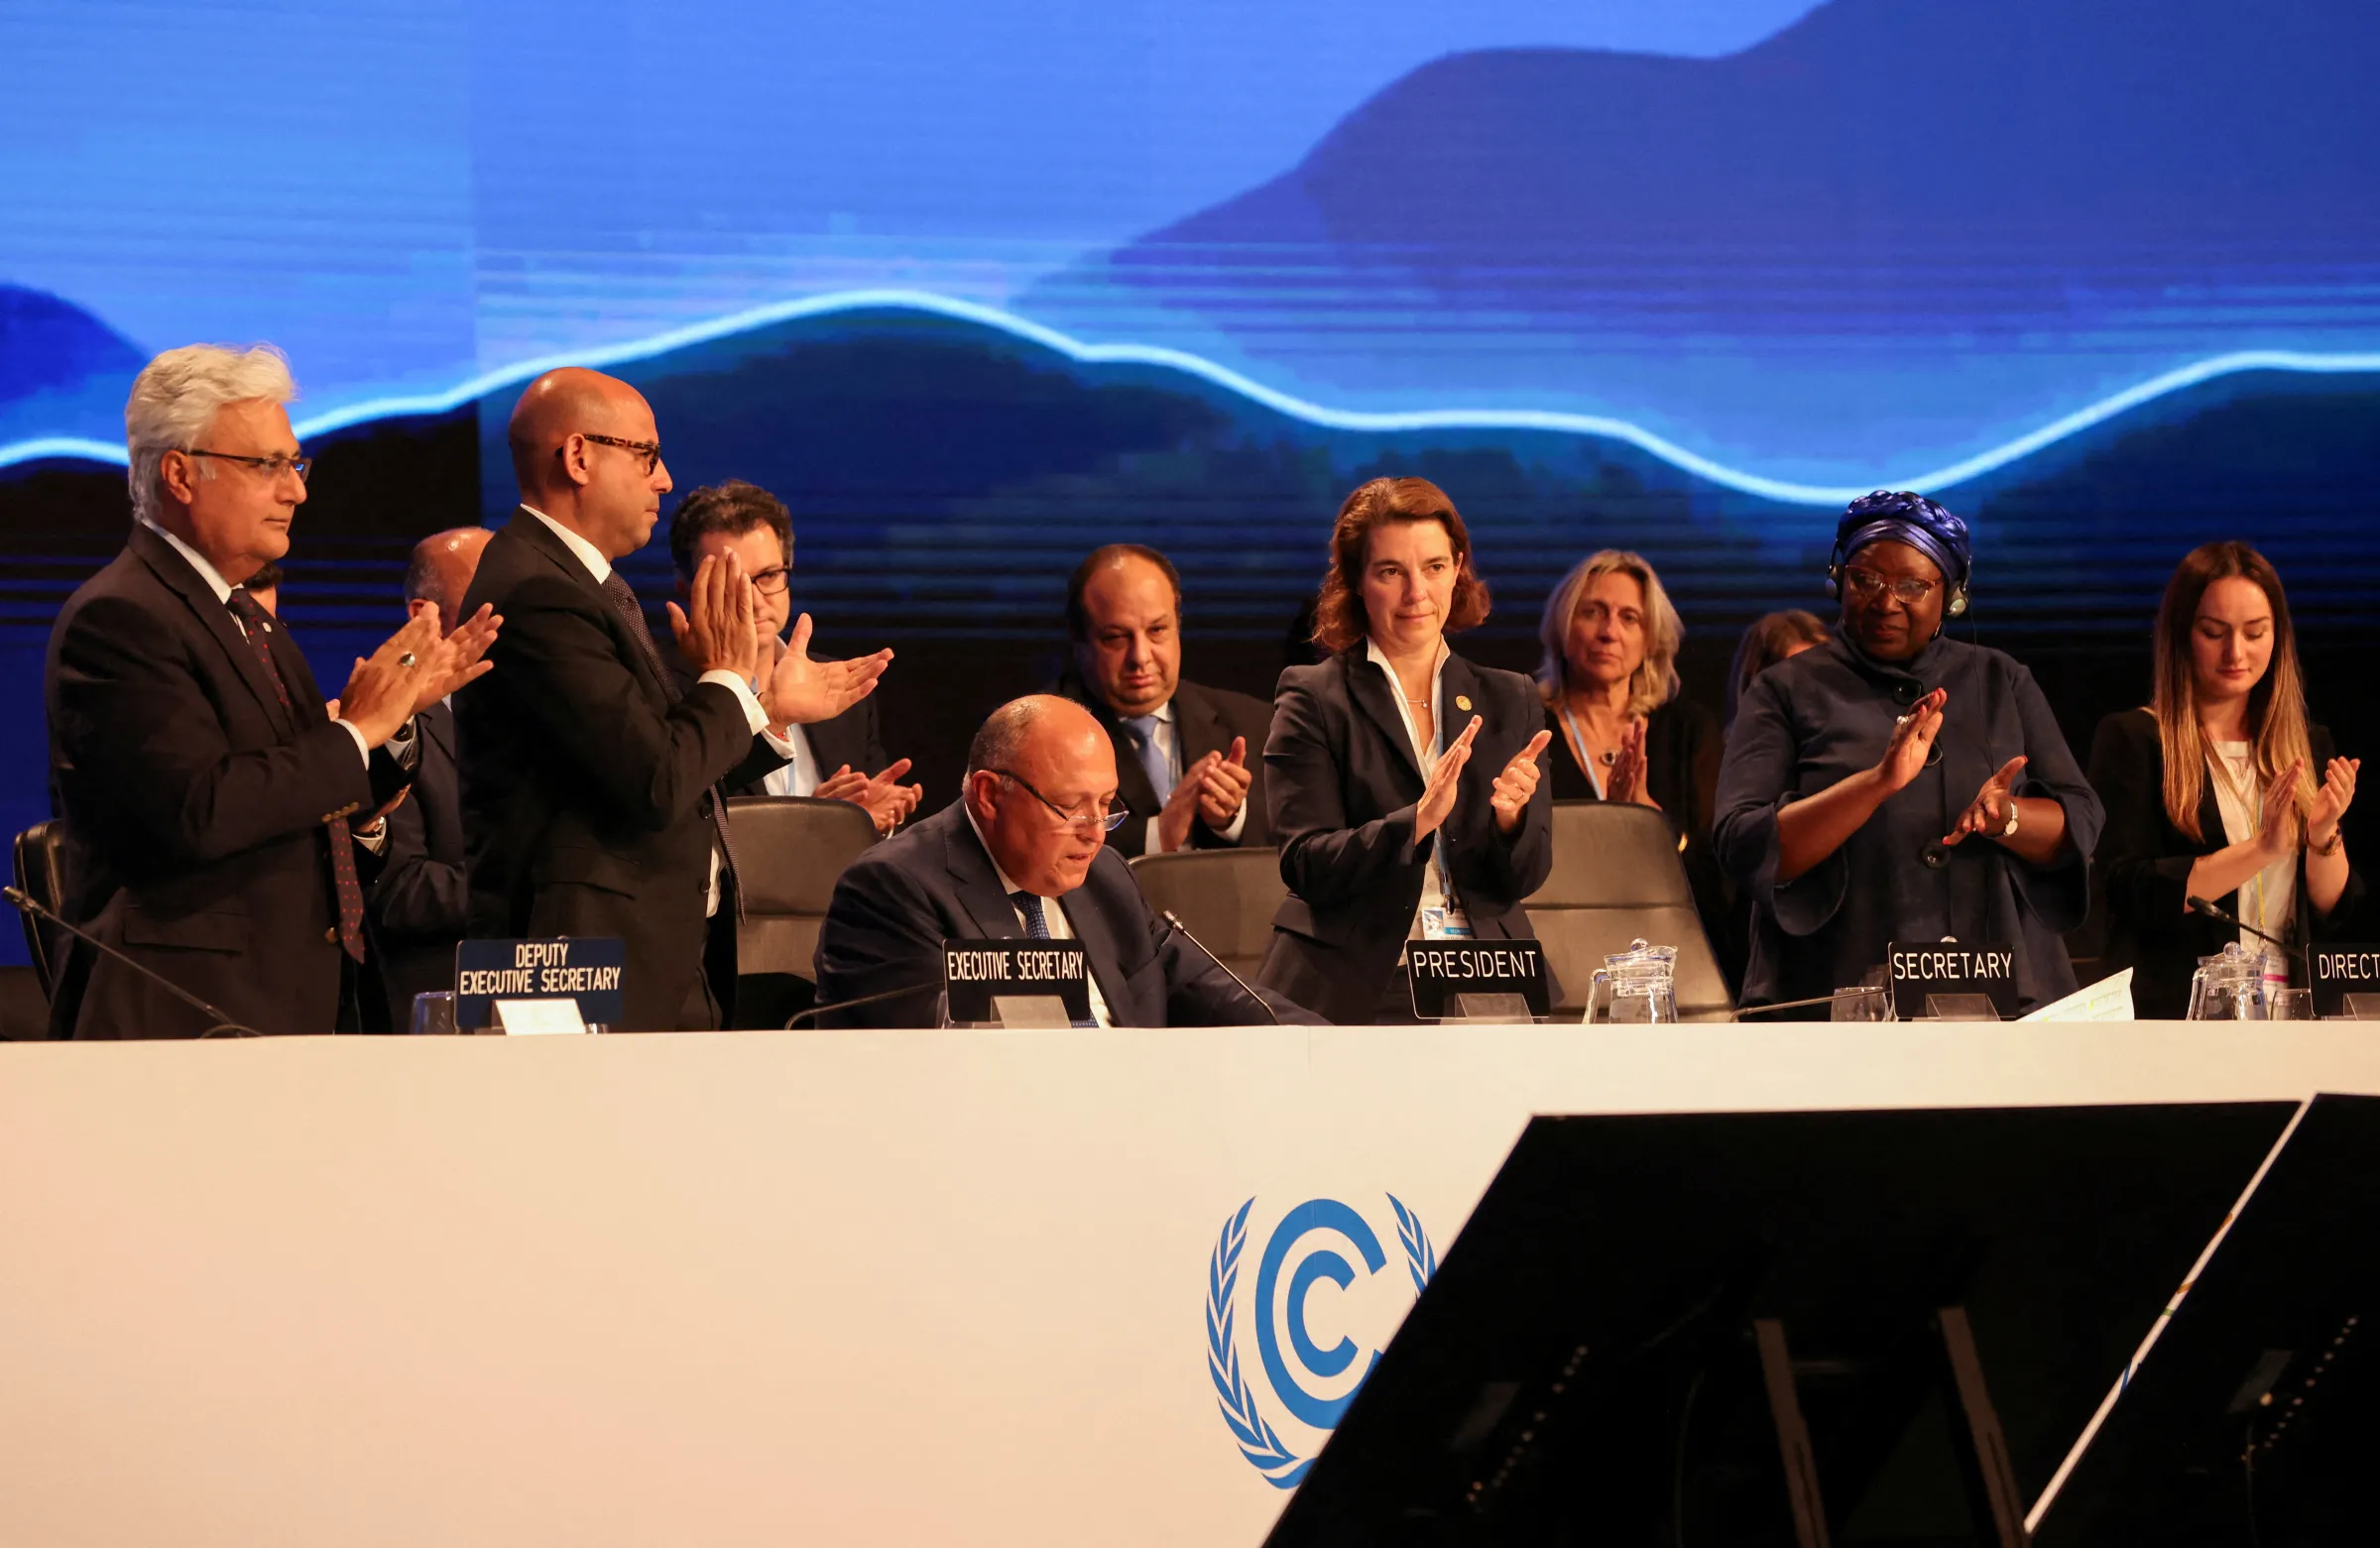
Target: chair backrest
{"type": "Point", "coordinates": [790, 851]}
{"type": "Point", "coordinates": [39, 868]}
{"type": "Point", "coordinates": [1616, 876]}
{"type": "Point", "coordinates": [1226, 897]}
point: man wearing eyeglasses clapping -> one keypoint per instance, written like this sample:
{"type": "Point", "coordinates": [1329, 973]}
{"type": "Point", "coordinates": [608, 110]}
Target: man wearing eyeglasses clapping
{"type": "Point", "coordinates": [591, 781]}
{"type": "Point", "coordinates": [224, 820]}
{"type": "Point", "coordinates": [1024, 854]}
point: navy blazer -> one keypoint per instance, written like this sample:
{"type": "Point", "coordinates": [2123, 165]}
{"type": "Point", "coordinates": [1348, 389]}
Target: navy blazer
{"type": "Point", "coordinates": [897, 905]}
{"type": "Point", "coordinates": [196, 801]}
{"type": "Point", "coordinates": [1343, 786]}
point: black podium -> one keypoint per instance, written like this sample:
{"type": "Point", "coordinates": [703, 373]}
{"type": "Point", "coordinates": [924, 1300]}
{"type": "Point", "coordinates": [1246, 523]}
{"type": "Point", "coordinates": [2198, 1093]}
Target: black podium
{"type": "Point", "coordinates": [1780, 1329]}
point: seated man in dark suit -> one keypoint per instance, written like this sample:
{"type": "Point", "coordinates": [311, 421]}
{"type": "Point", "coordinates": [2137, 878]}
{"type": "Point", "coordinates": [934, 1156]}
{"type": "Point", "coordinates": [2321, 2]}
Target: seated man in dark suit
{"type": "Point", "coordinates": [1021, 855]}
{"type": "Point", "coordinates": [842, 758]}
{"type": "Point", "coordinates": [1189, 759]}
{"type": "Point", "coordinates": [418, 906]}
{"type": "Point", "coordinates": [226, 818]}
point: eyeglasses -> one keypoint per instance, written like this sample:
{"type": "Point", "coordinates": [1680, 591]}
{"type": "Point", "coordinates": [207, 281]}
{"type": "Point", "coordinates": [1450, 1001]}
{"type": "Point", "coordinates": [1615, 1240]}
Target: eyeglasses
{"type": "Point", "coordinates": [772, 581]}
{"type": "Point", "coordinates": [1867, 585]}
{"type": "Point", "coordinates": [270, 467]}
{"type": "Point", "coordinates": [1103, 819]}
{"type": "Point", "coordinates": [650, 450]}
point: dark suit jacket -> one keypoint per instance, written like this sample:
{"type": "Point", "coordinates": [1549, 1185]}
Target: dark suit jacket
{"type": "Point", "coordinates": [1343, 787]}
{"type": "Point", "coordinates": [1203, 720]}
{"type": "Point", "coordinates": [936, 882]}
{"type": "Point", "coordinates": [198, 804]}
{"type": "Point", "coordinates": [421, 903]}
{"type": "Point", "coordinates": [2141, 869]}
{"type": "Point", "coordinates": [583, 786]}
{"type": "Point", "coordinates": [1682, 746]}
{"type": "Point", "coordinates": [853, 737]}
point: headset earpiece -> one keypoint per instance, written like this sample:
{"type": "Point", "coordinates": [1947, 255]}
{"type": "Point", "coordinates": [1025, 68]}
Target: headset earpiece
{"type": "Point", "coordinates": [1834, 581]}
{"type": "Point", "coordinates": [1958, 606]}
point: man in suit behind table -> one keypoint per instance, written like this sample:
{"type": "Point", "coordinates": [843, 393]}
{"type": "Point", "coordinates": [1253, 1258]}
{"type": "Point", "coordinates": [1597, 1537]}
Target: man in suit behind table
{"type": "Point", "coordinates": [591, 782]}
{"type": "Point", "coordinates": [1021, 855]}
{"type": "Point", "coordinates": [1189, 760]}
{"type": "Point", "coordinates": [225, 821]}
{"type": "Point", "coordinates": [842, 758]}
{"type": "Point", "coordinates": [417, 908]}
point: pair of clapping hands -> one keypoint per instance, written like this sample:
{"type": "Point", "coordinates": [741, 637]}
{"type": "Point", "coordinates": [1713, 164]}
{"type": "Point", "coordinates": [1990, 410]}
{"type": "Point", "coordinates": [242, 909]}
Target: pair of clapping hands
{"type": "Point", "coordinates": [1214, 788]}
{"type": "Point", "coordinates": [720, 629]}
{"type": "Point", "coordinates": [1508, 797]}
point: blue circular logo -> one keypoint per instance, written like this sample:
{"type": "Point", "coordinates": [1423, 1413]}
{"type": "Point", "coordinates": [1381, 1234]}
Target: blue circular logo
{"type": "Point", "coordinates": [1307, 1262]}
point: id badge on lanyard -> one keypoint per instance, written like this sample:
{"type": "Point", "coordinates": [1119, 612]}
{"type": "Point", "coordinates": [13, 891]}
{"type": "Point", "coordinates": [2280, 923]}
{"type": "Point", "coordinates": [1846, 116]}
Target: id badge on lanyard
{"type": "Point", "coordinates": [1448, 923]}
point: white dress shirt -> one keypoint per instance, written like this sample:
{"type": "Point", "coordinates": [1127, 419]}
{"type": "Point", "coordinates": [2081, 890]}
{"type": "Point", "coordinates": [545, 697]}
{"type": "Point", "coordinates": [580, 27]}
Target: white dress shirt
{"type": "Point", "coordinates": [1170, 742]}
{"type": "Point", "coordinates": [757, 718]}
{"type": "Point", "coordinates": [1437, 889]}
{"type": "Point", "coordinates": [401, 746]}
{"type": "Point", "coordinates": [2268, 898]}
{"type": "Point", "coordinates": [799, 775]}
{"type": "Point", "coordinates": [1054, 915]}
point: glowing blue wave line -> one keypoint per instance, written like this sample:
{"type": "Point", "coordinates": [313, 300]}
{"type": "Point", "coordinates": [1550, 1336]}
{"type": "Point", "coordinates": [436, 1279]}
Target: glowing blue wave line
{"type": "Point", "coordinates": [1601, 426]}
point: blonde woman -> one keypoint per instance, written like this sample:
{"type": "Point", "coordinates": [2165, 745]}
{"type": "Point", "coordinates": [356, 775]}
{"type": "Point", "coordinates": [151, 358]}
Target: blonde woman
{"type": "Point", "coordinates": [2219, 788]}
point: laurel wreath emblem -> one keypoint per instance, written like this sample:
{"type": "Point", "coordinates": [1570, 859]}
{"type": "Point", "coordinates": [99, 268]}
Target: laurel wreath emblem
{"type": "Point", "coordinates": [1259, 1442]}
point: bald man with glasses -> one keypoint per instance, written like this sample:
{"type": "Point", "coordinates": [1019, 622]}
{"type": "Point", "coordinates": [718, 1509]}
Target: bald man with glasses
{"type": "Point", "coordinates": [1024, 854]}
{"type": "Point", "coordinates": [593, 782]}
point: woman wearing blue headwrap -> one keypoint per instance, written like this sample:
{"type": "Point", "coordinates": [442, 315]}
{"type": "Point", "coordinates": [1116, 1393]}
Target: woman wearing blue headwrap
{"type": "Point", "coordinates": [1892, 784]}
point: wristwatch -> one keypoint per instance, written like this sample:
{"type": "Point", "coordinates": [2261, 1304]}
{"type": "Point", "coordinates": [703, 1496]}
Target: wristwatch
{"type": "Point", "coordinates": [2009, 831]}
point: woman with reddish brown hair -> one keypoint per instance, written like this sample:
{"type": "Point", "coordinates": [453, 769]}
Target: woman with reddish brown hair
{"type": "Point", "coordinates": [1402, 779]}
{"type": "Point", "coordinates": [2220, 788]}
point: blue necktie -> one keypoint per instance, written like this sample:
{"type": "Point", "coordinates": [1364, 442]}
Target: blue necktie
{"type": "Point", "coordinates": [1036, 923]}
{"type": "Point", "coordinates": [1153, 761]}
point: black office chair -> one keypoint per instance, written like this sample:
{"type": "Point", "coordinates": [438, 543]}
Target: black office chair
{"type": "Point", "coordinates": [1616, 878]}
{"type": "Point", "coordinates": [790, 852]}
{"type": "Point", "coordinates": [1226, 897]}
{"type": "Point", "coordinates": [40, 870]}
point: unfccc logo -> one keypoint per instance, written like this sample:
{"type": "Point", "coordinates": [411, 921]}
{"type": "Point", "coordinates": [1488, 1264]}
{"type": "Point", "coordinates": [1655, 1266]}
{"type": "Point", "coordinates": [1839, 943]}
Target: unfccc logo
{"type": "Point", "coordinates": [1311, 1380]}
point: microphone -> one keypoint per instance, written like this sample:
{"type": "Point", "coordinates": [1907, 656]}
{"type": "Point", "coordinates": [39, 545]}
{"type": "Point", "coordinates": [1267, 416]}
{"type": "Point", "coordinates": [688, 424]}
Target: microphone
{"type": "Point", "coordinates": [1174, 920]}
{"type": "Point", "coordinates": [2201, 906]}
{"type": "Point", "coordinates": [222, 1022]}
{"type": "Point", "coordinates": [864, 999]}
{"type": "Point", "coordinates": [1801, 1005]}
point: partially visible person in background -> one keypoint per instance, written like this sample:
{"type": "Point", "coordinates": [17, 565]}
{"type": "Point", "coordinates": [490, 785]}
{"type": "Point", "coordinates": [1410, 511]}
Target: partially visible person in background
{"type": "Point", "coordinates": [1770, 638]}
{"type": "Point", "coordinates": [264, 586]}
{"type": "Point", "coordinates": [1189, 757]}
{"type": "Point", "coordinates": [421, 901]}
{"type": "Point", "coordinates": [842, 758]}
{"type": "Point", "coordinates": [2219, 788]}
{"type": "Point", "coordinates": [1608, 675]}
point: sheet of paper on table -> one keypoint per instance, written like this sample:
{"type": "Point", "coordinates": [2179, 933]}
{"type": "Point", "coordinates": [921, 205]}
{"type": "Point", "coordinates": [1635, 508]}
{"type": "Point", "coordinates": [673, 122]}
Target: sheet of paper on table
{"type": "Point", "coordinates": [2109, 999]}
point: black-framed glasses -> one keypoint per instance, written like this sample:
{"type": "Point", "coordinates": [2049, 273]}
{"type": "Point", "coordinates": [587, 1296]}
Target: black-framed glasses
{"type": "Point", "coordinates": [1104, 821]}
{"type": "Point", "coordinates": [270, 467]}
{"type": "Point", "coordinates": [1867, 585]}
{"type": "Point", "coordinates": [650, 450]}
{"type": "Point", "coordinates": [773, 580]}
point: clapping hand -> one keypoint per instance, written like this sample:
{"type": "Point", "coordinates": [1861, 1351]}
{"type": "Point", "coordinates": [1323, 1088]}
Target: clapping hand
{"type": "Point", "coordinates": [458, 659]}
{"type": "Point", "coordinates": [1987, 814]}
{"type": "Point", "coordinates": [885, 798]}
{"type": "Point", "coordinates": [2330, 802]}
{"type": "Point", "coordinates": [1186, 801]}
{"type": "Point", "coordinates": [1224, 788]}
{"type": "Point", "coordinates": [719, 633]}
{"type": "Point", "coordinates": [1912, 741]}
{"type": "Point", "coordinates": [1437, 801]}
{"type": "Point", "coordinates": [803, 692]}
{"type": "Point", "coordinates": [412, 669]}
{"type": "Point", "coordinates": [1510, 795]}
{"type": "Point", "coordinates": [1626, 780]}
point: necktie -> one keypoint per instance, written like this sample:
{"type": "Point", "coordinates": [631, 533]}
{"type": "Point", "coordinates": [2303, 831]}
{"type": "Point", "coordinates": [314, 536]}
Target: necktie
{"type": "Point", "coordinates": [1152, 757]}
{"type": "Point", "coordinates": [623, 599]}
{"type": "Point", "coordinates": [1036, 923]}
{"type": "Point", "coordinates": [256, 624]}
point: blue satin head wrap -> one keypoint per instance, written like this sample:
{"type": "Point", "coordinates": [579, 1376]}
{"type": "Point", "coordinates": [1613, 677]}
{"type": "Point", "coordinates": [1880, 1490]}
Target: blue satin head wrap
{"type": "Point", "coordinates": [1905, 517]}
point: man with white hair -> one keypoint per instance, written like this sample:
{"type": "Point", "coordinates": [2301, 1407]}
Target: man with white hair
{"type": "Point", "coordinates": [222, 816]}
